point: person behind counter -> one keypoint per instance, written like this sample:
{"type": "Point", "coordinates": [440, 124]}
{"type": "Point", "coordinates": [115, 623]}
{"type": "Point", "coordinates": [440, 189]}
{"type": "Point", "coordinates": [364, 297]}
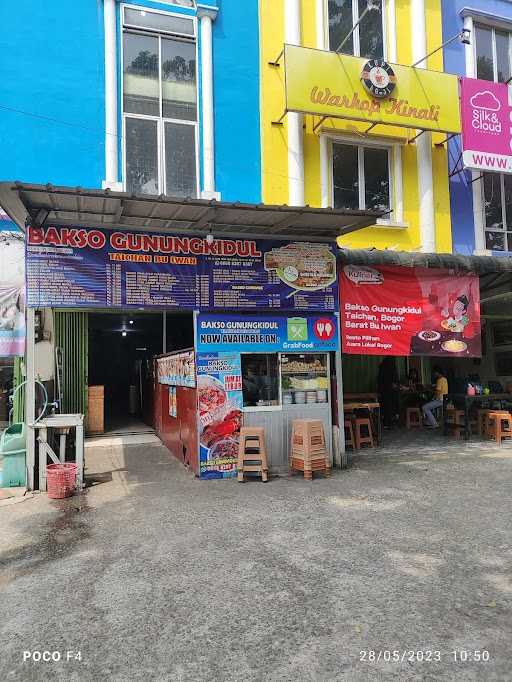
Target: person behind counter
{"type": "Point", "coordinates": [440, 390]}
{"type": "Point", "coordinates": [388, 387]}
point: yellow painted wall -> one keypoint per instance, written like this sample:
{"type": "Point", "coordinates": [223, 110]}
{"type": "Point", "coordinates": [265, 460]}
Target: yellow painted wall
{"type": "Point", "coordinates": [274, 138]}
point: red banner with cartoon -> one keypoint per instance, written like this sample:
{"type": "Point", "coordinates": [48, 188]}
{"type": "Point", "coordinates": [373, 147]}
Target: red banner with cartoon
{"type": "Point", "coordinates": [409, 311]}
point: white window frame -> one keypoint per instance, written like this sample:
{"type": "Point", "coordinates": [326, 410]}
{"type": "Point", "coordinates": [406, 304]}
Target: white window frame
{"type": "Point", "coordinates": [386, 13]}
{"type": "Point", "coordinates": [479, 216]}
{"type": "Point", "coordinates": [506, 230]}
{"type": "Point", "coordinates": [493, 29]}
{"type": "Point", "coordinates": [160, 120]}
{"type": "Point", "coordinates": [395, 218]}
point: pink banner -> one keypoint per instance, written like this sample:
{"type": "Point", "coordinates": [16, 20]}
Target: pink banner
{"type": "Point", "coordinates": [486, 125]}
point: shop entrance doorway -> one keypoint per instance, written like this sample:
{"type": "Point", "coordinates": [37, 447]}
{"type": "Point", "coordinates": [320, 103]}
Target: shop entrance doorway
{"type": "Point", "coordinates": [121, 348]}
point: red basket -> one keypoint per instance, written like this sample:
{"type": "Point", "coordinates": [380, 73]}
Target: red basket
{"type": "Point", "coordinates": [61, 480]}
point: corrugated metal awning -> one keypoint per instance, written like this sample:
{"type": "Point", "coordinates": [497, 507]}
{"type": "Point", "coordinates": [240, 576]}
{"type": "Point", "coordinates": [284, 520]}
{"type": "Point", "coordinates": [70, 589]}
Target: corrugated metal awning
{"type": "Point", "coordinates": [481, 265]}
{"type": "Point", "coordinates": [49, 205]}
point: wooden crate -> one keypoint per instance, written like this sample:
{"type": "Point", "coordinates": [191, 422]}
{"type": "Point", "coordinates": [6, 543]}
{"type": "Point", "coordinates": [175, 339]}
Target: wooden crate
{"type": "Point", "coordinates": [95, 422]}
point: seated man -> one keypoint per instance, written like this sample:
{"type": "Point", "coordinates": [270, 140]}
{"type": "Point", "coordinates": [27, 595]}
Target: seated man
{"type": "Point", "coordinates": [440, 390]}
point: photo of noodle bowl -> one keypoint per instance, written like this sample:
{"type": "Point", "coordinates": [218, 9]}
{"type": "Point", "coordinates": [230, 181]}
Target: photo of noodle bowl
{"type": "Point", "coordinates": [452, 326]}
{"type": "Point", "coordinates": [303, 266]}
{"type": "Point", "coordinates": [429, 335]}
{"type": "Point", "coordinates": [454, 346]}
{"type": "Point", "coordinates": [212, 399]}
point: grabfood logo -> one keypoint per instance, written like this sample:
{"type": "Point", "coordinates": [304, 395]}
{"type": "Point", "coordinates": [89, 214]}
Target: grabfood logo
{"type": "Point", "coordinates": [363, 274]}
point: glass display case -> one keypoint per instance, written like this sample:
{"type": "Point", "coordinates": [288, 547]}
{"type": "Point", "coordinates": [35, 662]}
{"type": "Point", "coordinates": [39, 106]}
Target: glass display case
{"type": "Point", "coordinates": [304, 378]}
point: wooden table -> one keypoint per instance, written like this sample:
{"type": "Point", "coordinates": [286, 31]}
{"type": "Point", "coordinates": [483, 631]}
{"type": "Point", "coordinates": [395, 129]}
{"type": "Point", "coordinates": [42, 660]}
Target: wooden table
{"type": "Point", "coordinates": [465, 402]}
{"type": "Point", "coordinates": [374, 410]}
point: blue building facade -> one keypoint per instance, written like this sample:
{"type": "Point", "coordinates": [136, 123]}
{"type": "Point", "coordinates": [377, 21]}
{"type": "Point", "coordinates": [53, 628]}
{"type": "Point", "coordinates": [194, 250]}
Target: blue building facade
{"type": "Point", "coordinates": [145, 96]}
{"type": "Point", "coordinates": [479, 200]}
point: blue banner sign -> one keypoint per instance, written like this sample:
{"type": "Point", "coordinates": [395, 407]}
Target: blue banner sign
{"type": "Point", "coordinates": [68, 266]}
{"type": "Point", "coordinates": [267, 333]}
{"type": "Point", "coordinates": [219, 398]}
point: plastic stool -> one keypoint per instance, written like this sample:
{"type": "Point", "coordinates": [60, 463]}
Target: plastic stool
{"type": "Point", "coordinates": [412, 417]}
{"type": "Point", "coordinates": [252, 454]}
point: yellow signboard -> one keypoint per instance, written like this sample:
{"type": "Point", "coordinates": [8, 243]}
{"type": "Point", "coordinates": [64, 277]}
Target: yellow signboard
{"type": "Point", "coordinates": [329, 84]}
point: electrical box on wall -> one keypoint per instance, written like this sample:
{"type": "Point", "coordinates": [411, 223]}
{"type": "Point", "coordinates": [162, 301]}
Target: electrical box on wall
{"type": "Point", "coordinates": [40, 334]}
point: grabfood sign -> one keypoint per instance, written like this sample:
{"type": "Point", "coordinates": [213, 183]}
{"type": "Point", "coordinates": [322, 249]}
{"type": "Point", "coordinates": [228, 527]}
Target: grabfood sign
{"type": "Point", "coordinates": [486, 125]}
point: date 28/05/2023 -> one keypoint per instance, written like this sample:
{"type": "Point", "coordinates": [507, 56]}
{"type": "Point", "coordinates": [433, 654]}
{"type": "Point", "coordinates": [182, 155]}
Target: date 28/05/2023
{"type": "Point", "coordinates": [427, 655]}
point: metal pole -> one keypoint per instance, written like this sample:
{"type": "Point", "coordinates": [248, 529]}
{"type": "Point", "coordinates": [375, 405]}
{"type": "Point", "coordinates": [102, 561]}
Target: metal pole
{"type": "Point", "coordinates": [30, 396]}
{"type": "Point", "coordinates": [164, 332]}
{"type": "Point", "coordinates": [365, 12]}
{"type": "Point", "coordinates": [343, 459]}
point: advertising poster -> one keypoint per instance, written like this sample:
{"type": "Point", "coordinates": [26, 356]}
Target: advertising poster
{"type": "Point", "coordinates": [173, 402]}
{"type": "Point", "coordinates": [486, 131]}
{"type": "Point", "coordinates": [177, 369]}
{"type": "Point", "coordinates": [268, 333]}
{"type": "Point", "coordinates": [409, 311]}
{"type": "Point", "coordinates": [219, 389]}
{"type": "Point", "coordinates": [12, 293]}
{"type": "Point", "coordinates": [69, 266]}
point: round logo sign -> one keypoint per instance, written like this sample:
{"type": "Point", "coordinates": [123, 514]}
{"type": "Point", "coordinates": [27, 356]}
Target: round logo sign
{"type": "Point", "coordinates": [378, 78]}
{"type": "Point", "coordinates": [324, 329]}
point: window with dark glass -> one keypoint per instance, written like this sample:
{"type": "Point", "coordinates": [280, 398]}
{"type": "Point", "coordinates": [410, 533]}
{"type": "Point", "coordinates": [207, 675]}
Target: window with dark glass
{"type": "Point", "coordinates": [159, 103]}
{"type": "Point", "coordinates": [493, 54]}
{"type": "Point", "coordinates": [367, 39]}
{"type": "Point", "coordinates": [497, 191]}
{"type": "Point", "coordinates": [260, 379]}
{"type": "Point", "coordinates": [360, 177]}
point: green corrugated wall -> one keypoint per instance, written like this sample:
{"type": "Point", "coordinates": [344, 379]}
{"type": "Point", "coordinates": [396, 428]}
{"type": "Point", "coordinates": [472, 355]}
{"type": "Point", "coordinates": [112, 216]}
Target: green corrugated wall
{"type": "Point", "coordinates": [71, 334]}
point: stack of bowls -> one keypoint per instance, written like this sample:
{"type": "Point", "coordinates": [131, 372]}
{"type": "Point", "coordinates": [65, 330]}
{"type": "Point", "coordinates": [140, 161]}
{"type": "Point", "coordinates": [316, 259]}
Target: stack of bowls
{"type": "Point", "coordinates": [300, 397]}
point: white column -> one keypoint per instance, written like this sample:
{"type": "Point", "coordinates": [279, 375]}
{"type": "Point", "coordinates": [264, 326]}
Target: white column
{"type": "Point", "coordinates": [476, 186]}
{"type": "Point", "coordinates": [295, 121]}
{"type": "Point", "coordinates": [206, 18]}
{"type": "Point", "coordinates": [320, 24]}
{"type": "Point", "coordinates": [391, 24]}
{"type": "Point", "coordinates": [424, 142]}
{"type": "Point", "coordinates": [323, 143]}
{"type": "Point", "coordinates": [469, 50]}
{"type": "Point", "coordinates": [111, 138]}
{"type": "Point", "coordinates": [30, 396]}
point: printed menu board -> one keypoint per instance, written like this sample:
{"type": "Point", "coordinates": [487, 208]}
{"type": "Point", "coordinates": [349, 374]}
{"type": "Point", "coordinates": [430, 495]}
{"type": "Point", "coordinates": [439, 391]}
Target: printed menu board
{"type": "Point", "coordinates": [69, 266]}
{"type": "Point", "coordinates": [177, 369]}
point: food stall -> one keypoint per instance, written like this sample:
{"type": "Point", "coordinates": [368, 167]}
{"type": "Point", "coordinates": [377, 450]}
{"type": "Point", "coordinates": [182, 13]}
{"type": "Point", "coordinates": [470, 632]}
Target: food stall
{"type": "Point", "coordinates": [253, 370]}
{"type": "Point", "coordinates": [264, 370]}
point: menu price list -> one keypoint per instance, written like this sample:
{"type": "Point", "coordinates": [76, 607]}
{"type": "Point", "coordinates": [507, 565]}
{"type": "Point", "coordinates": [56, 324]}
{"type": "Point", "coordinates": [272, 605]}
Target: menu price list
{"type": "Point", "coordinates": [56, 282]}
{"type": "Point", "coordinates": [160, 288]}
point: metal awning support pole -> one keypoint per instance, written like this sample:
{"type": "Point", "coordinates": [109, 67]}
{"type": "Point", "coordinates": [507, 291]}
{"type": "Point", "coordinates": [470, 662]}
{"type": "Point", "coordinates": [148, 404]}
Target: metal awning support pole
{"type": "Point", "coordinates": [315, 128]}
{"type": "Point", "coordinates": [279, 121]}
{"type": "Point", "coordinates": [446, 139]}
{"type": "Point", "coordinates": [342, 460]}
{"type": "Point", "coordinates": [30, 397]}
{"type": "Point", "coordinates": [422, 132]}
{"type": "Point", "coordinates": [463, 36]}
{"type": "Point", "coordinates": [277, 59]}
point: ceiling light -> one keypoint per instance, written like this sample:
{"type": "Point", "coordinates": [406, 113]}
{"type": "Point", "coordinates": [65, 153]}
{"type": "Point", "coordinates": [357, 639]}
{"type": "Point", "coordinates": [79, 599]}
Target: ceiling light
{"type": "Point", "coordinates": [123, 333]}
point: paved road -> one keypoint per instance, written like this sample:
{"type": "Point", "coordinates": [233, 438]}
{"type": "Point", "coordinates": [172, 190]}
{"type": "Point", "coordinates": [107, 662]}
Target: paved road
{"type": "Point", "coordinates": [153, 575]}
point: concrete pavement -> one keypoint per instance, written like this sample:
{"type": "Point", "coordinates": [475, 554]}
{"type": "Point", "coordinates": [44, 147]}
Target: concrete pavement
{"type": "Point", "coordinates": [154, 575]}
